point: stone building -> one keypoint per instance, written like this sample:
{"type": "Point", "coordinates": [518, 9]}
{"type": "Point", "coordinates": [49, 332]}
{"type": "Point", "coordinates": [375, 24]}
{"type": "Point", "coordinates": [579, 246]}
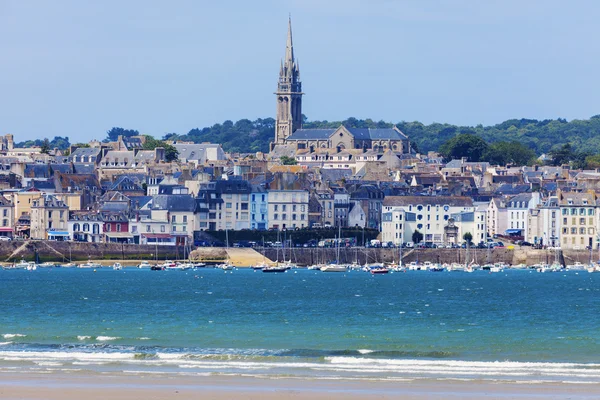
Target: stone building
{"type": "Point", "coordinates": [291, 139]}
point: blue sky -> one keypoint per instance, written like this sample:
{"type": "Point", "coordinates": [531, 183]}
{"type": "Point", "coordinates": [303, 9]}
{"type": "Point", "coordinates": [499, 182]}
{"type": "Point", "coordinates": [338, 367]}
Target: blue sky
{"type": "Point", "coordinates": [78, 68]}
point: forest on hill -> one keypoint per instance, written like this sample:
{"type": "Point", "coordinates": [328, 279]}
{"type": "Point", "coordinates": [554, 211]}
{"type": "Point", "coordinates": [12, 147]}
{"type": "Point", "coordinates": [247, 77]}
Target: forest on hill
{"type": "Point", "coordinates": [564, 141]}
{"type": "Point", "coordinates": [540, 136]}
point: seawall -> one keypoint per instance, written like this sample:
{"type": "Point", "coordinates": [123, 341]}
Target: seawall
{"type": "Point", "coordinates": [41, 251]}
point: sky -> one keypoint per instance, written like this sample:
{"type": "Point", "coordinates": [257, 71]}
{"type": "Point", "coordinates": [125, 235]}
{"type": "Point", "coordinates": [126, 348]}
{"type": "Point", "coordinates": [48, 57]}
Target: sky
{"type": "Point", "coordinates": [78, 68]}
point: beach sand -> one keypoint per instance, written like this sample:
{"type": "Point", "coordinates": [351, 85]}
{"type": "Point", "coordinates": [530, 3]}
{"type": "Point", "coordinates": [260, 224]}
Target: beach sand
{"type": "Point", "coordinates": [129, 387]}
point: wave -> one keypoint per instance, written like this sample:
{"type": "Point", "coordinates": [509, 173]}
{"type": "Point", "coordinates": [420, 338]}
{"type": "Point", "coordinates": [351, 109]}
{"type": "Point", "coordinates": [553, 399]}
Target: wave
{"type": "Point", "coordinates": [363, 364]}
{"type": "Point", "coordinates": [106, 338]}
{"type": "Point", "coordinates": [12, 335]}
{"type": "Point", "coordinates": [83, 337]}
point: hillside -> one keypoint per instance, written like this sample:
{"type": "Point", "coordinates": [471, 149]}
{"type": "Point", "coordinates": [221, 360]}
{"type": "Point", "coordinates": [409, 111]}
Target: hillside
{"type": "Point", "coordinates": [541, 136]}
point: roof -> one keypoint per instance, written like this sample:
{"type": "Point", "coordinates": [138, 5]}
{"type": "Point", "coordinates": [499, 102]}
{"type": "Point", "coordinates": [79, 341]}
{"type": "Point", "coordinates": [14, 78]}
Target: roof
{"type": "Point", "coordinates": [453, 201]}
{"type": "Point", "coordinates": [173, 202]}
{"type": "Point", "coordinates": [358, 133]}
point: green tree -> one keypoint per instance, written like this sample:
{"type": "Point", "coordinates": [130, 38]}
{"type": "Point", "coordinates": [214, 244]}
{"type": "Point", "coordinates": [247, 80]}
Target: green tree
{"type": "Point", "coordinates": [515, 153]}
{"type": "Point", "coordinates": [417, 237]}
{"type": "Point", "coordinates": [467, 237]}
{"type": "Point", "coordinates": [171, 153]}
{"type": "Point", "coordinates": [562, 155]}
{"type": "Point", "coordinates": [114, 133]}
{"type": "Point", "coordinates": [464, 145]}
{"type": "Point", "coordinates": [45, 148]}
{"type": "Point", "coordinates": [285, 160]}
{"type": "Point", "coordinates": [592, 162]}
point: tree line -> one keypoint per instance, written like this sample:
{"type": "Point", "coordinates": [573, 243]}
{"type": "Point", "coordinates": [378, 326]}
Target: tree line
{"type": "Point", "coordinates": [516, 141]}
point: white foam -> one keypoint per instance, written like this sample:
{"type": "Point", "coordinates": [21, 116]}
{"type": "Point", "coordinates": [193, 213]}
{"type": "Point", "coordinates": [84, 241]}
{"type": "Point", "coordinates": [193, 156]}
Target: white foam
{"type": "Point", "coordinates": [12, 335]}
{"type": "Point", "coordinates": [143, 338]}
{"type": "Point", "coordinates": [106, 338]}
{"type": "Point", "coordinates": [4, 343]}
{"type": "Point", "coordinates": [83, 337]}
{"type": "Point", "coordinates": [365, 351]}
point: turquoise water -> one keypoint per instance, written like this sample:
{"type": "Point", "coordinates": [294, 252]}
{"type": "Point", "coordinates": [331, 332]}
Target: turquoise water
{"type": "Point", "coordinates": [515, 326]}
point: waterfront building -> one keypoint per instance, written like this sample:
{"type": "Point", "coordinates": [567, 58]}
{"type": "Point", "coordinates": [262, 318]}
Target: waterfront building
{"type": "Point", "coordinates": [430, 215]}
{"type": "Point", "coordinates": [365, 212]}
{"type": "Point", "coordinates": [49, 218]}
{"type": "Point", "coordinates": [579, 220]}
{"type": "Point", "coordinates": [259, 208]}
{"type": "Point", "coordinates": [497, 219]}
{"type": "Point", "coordinates": [7, 218]}
{"type": "Point", "coordinates": [544, 223]}
{"type": "Point", "coordinates": [86, 226]}
{"type": "Point", "coordinates": [517, 209]}
{"type": "Point", "coordinates": [341, 206]}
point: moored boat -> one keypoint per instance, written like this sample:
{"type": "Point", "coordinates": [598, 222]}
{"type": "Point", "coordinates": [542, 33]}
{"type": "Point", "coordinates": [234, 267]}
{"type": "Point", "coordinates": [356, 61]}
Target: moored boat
{"type": "Point", "coordinates": [334, 268]}
{"type": "Point", "coordinates": [144, 265]}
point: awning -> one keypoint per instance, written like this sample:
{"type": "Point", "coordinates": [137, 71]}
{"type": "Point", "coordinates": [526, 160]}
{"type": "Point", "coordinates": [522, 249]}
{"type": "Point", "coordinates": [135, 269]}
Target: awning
{"type": "Point", "coordinates": [125, 235]}
{"type": "Point", "coordinates": [156, 235]}
{"type": "Point", "coordinates": [58, 233]}
{"type": "Point", "coordinates": [509, 231]}
{"type": "Point", "coordinates": [6, 229]}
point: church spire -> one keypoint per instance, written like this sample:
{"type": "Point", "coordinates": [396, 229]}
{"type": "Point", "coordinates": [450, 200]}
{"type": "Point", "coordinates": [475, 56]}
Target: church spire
{"type": "Point", "coordinates": [289, 46]}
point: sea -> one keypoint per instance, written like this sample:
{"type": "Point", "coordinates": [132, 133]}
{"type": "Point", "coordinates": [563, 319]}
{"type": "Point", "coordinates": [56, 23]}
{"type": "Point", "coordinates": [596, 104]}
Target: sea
{"type": "Point", "coordinates": [516, 326]}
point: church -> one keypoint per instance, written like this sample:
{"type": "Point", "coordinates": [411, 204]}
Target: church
{"type": "Point", "coordinates": [291, 139]}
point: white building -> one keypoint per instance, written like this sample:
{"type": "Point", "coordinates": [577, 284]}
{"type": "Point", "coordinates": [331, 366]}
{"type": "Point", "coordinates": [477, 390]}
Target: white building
{"type": "Point", "coordinates": [517, 209]}
{"type": "Point", "coordinates": [403, 215]}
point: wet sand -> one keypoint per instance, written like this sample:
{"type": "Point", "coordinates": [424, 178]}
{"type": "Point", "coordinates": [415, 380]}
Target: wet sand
{"type": "Point", "coordinates": [69, 386]}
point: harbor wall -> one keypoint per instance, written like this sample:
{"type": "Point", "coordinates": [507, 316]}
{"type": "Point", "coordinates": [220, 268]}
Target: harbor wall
{"type": "Point", "coordinates": [39, 250]}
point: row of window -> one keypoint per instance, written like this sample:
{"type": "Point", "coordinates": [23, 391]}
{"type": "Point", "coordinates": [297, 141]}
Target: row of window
{"type": "Point", "coordinates": [573, 211]}
{"type": "Point", "coordinates": [284, 217]}
{"type": "Point", "coordinates": [573, 231]}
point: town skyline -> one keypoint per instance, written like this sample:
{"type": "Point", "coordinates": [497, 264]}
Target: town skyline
{"type": "Point", "coordinates": [70, 76]}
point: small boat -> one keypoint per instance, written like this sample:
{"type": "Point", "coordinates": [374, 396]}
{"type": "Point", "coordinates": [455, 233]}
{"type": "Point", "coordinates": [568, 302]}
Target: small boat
{"type": "Point", "coordinates": [199, 265]}
{"type": "Point", "coordinates": [89, 265]}
{"type": "Point", "coordinates": [334, 268]}
{"type": "Point", "coordinates": [226, 266]}
{"type": "Point", "coordinates": [577, 266]}
{"type": "Point", "coordinates": [157, 268]}
{"type": "Point", "coordinates": [117, 266]}
{"type": "Point", "coordinates": [495, 269]}
{"type": "Point", "coordinates": [21, 265]}
{"type": "Point", "coordinates": [381, 270]}
{"type": "Point", "coordinates": [144, 265]}
{"type": "Point", "coordinates": [315, 267]}
{"type": "Point", "coordinates": [437, 268]}
{"type": "Point", "coordinates": [46, 265]}
{"type": "Point", "coordinates": [68, 265]}
{"type": "Point", "coordinates": [31, 266]}
{"type": "Point", "coordinates": [275, 269]}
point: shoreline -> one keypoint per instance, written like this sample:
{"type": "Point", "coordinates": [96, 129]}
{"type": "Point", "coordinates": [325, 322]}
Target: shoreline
{"type": "Point", "coordinates": [72, 386]}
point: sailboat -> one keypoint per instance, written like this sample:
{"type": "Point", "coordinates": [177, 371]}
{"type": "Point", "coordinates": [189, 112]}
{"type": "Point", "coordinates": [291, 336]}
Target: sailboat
{"type": "Point", "coordinates": [336, 267]}
{"type": "Point", "coordinates": [227, 265]}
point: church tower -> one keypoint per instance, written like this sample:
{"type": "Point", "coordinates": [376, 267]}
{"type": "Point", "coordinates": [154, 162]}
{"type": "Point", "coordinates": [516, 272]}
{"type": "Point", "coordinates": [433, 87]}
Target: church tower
{"type": "Point", "coordinates": [289, 94]}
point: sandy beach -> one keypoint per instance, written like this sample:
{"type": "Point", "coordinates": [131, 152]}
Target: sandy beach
{"type": "Point", "coordinates": [148, 387]}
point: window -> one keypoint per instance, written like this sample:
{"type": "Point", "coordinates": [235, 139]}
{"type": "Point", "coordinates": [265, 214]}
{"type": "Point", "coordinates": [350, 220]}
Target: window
{"type": "Point", "coordinates": [275, 216]}
{"type": "Point", "coordinates": [86, 227]}
{"type": "Point", "coordinates": [276, 207]}
{"type": "Point", "coordinates": [564, 221]}
{"type": "Point", "coordinates": [184, 228]}
{"type": "Point", "coordinates": [581, 221]}
{"type": "Point", "coordinates": [134, 229]}
{"type": "Point", "coordinates": [302, 208]}
{"type": "Point", "coordinates": [573, 231]}
{"type": "Point", "coordinates": [107, 227]}
{"type": "Point", "coordinates": [185, 219]}
{"type": "Point", "coordinates": [162, 228]}
{"type": "Point", "coordinates": [302, 216]}
{"type": "Point", "coordinates": [582, 231]}
{"type": "Point", "coordinates": [284, 208]}
{"type": "Point", "coordinates": [284, 216]}
{"type": "Point", "coordinates": [565, 211]}
{"type": "Point", "coordinates": [294, 217]}
{"type": "Point", "coordinates": [582, 211]}
{"type": "Point", "coordinates": [227, 205]}
{"type": "Point", "coordinates": [5, 213]}
{"type": "Point", "coordinates": [147, 228]}
{"type": "Point", "coordinates": [590, 211]}
{"type": "Point", "coordinates": [174, 229]}
{"type": "Point", "coordinates": [118, 227]}
{"type": "Point", "coordinates": [173, 219]}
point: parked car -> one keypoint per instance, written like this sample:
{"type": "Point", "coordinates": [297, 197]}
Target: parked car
{"type": "Point", "coordinates": [4, 239]}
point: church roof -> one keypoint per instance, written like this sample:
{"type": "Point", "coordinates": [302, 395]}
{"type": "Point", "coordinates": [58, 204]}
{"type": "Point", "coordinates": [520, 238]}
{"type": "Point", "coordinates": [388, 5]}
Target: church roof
{"type": "Point", "coordinates": [358, 133]}
{"type": "Point", "coordinates": [303, 134]}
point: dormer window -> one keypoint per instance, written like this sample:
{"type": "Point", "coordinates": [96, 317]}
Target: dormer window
{"type": "Point", "coordinates": [570, 201]}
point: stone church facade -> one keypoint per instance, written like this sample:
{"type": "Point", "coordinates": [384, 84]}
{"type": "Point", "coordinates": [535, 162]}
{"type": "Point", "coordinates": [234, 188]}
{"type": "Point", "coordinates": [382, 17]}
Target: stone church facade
{"type": "Point", "coordinates": [291, 138]}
